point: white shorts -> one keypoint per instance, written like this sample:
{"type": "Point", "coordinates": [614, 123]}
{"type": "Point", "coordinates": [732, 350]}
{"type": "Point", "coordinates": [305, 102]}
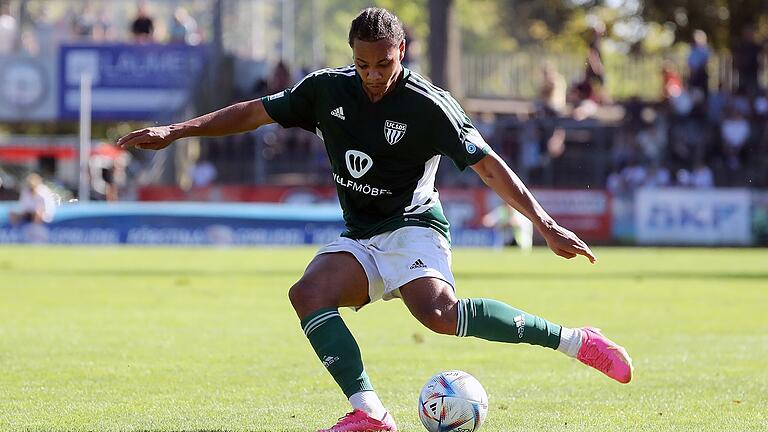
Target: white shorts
{"type": "Point", "coordinates": [393, 259]}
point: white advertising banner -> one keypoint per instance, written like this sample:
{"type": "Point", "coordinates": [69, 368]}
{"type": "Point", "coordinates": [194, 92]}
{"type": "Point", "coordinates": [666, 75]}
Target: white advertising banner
{"type": "Point", "coordinates": [693, 216]}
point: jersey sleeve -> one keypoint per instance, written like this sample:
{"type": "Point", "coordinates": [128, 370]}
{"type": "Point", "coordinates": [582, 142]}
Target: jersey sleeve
{"type": "Point", "coordinates": [295, 106]}
{"type": "Point", "coordinates": [456, 137]}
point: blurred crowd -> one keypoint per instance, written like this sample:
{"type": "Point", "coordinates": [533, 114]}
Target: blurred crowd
{"type": "Point", "coordinates": [696, 136]}
{"type": "Point", "coordinates": [93, 21]}
{"type": "Point", "coordinates": [699, 132]}
{"type": "Point", "coordinates": [692, 136]}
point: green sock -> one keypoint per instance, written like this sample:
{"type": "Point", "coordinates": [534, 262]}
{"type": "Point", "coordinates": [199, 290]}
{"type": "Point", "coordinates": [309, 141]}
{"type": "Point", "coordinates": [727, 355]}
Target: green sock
{"type": "Point", "coordinates": [496, 321]}
{"type": "Point", "coordinates": [337, 349]}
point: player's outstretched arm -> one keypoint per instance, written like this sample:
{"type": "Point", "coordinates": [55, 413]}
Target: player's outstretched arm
{"type": "Point", "coordinates": [499, 177]}
{"type": "Point", "coordinates": [237, 118]}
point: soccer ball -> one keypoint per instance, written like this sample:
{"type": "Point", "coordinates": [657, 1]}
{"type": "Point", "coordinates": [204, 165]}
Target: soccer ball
{"type": "Point", "coordinates": [453, 401]}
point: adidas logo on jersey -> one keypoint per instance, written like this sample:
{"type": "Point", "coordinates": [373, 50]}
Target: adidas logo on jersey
{"type": "Point", "coordinates": [418, 264]}
{"type": "Point", "coordinates": [338, 112]}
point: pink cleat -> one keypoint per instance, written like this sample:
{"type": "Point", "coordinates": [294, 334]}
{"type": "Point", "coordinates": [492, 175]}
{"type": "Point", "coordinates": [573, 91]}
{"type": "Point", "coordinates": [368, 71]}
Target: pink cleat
{"type": "Point", "coordinates": [358, 421]}
{"type": "Point", "coordinates": [604, 355]}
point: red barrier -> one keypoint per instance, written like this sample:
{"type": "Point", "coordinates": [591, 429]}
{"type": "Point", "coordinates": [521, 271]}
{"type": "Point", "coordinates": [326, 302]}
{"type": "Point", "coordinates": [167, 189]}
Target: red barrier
{"type": "Point", "coordinates": [23, 153]}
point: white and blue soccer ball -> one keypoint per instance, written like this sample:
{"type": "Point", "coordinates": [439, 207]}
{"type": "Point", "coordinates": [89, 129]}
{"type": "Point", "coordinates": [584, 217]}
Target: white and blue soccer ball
{"type": "Point", "coordinates": [453, 401]}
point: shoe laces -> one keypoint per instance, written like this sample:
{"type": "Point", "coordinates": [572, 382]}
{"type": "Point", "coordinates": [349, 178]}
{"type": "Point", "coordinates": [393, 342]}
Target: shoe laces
{"type": "Point", "coordinates": [595, 357]}
{"type": "Point", "coordinates": [347, 418]}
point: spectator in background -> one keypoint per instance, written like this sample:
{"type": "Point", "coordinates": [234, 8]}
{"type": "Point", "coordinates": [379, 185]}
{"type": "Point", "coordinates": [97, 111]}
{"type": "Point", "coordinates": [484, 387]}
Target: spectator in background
{"type": "Point", "coordinates": [280, 78]}
{"type": "Point", "coordinates": [716, 103]}
{"type": "Point", "coordinates": [760, 106]}
{"type": "Point", "coordinates": [698, 58]}
{"type": "Point", "coordinates": [511, 225]}
{"type": "Point", "coordinates": [585, 100]}
{"type": "Point", "coordinates": [37, 204]}
{"type": "Point", "coordinates": [552, 91]}
{"type": "Point", "coordinates": [9, 32]}
{"type": "Point", "coordinates": [652, 136]}
{"type": "Point", "coordinates": [635, 175]}
{"type": "Point", "coordinates": [746, 59]}
{"type": "Point", "coordinates": [85, 22]}
{"type": "Point", "coordinates": [595, 71]}
{"type": "Point", "coordinates": [183, 28]}
{"type": "Point", "coordinates": [104, 30]}
{"type": "Point", "coordinates": [734, 131]}
{"type": "Point", "coordinates": [657, 176]}
{"type": "Point", "coordinates": [202, 173]}
{"type": "Point", "coordinates": [46, 34]}
{"type": "Point", "coordinates": [672, 85]}
{"type": "Point", "coordinates": [107, 166]}
{"type": "Point", "coordinates": [142, 27]}
{"type": "Point", "coordinates": [701, 176]}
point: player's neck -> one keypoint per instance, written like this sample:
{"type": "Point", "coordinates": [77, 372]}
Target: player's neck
{"type": "Point", "coordinates": [377, 97]}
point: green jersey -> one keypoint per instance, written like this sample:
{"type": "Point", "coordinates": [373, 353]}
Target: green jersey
{"type": "Point", "coordinates": [384, 155]}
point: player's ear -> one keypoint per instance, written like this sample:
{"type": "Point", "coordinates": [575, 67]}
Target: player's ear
{"type": "Point", "coordinates": [401, 48]}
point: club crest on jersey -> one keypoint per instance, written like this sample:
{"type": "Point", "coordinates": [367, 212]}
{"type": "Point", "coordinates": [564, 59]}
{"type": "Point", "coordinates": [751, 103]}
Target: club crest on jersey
{"type": "Point", "coordinates": [358, 163]}
{"type": "Point", "coordinates": [394, 131]}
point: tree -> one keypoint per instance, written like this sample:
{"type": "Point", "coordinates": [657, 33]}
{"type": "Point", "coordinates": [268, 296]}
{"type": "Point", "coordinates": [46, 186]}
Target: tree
{"type": "Point", "coordinates": [722, 20]}
{"type": "Point", "coordinates": [533, 21]}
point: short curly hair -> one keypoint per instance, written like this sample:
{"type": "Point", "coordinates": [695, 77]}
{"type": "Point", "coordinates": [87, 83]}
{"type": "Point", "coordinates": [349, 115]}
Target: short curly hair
{"type": "Point", "coordinates": [374, 24]}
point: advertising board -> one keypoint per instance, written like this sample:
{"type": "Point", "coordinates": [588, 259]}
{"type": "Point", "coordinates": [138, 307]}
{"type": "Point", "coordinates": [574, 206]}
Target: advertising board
{"type": "Point", "coordinates": [129, 82]}
{"type": "Point", "coordinates": [28, 88]}
{"type": "Point", "coordinates": [693, 216]}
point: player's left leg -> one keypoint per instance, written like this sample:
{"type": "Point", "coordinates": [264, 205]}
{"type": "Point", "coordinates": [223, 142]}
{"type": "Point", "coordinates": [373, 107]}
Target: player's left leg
{"type": "Point", "coordinates": [339, 277]}
{"type": "Point", "coordinates": [433, 302]}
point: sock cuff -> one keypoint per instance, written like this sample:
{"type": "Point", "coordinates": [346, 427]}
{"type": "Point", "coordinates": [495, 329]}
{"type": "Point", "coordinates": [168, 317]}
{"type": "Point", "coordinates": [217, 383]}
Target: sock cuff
{"type": "Point", "coordinates": [314, 320]}
{"type": "Point", "coordinates": [362, 383]}
{"type": "Point", "coordinates": [465, 309]}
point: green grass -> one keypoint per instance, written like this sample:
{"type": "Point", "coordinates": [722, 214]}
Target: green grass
{"type": "Point", "coordinates": [129, 339]}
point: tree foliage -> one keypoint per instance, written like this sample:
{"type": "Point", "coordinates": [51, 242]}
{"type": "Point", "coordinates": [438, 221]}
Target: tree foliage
{"type": "Point", "coordinates": [722, 20]}
{"type": "Point", "coordinates": [533, 21]}
{"type": "Point", "coordinates": [552, 26]}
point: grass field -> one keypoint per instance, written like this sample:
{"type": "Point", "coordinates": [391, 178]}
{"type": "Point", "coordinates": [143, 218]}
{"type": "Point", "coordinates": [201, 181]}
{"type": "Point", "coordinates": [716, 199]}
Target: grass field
{"type": "Point", "coordinates": [134, 339]}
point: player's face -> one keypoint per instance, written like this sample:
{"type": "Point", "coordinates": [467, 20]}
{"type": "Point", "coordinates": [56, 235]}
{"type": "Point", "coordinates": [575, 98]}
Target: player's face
{"type": "Point", "coordinates": [378, 64]}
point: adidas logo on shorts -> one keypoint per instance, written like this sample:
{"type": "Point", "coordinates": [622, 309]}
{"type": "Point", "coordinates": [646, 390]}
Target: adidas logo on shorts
{"type": "Point", "coordinates": [418, 264]}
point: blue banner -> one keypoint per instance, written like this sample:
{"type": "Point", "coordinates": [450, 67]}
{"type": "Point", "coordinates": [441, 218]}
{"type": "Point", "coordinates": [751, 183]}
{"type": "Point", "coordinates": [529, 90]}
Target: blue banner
{"type": "Point", "coordinates": [180, 224]}
{"type": "Point", "coordinates": [189, 223]}
{"type": "Point", "coordinates": [129, 82]}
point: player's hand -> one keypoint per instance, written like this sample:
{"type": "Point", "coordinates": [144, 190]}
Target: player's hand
{"type": "Point", "coordinates": [153, 138]}
{"type": "Point", "coordinates": [566, 244]}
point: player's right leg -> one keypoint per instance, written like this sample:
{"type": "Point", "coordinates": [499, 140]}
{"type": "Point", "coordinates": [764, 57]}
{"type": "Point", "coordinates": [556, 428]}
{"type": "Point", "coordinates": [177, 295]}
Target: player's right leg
{"type": "Point", "coordinates": [435, 305]}
{"type": "Point", "coordinates": [334, 280]}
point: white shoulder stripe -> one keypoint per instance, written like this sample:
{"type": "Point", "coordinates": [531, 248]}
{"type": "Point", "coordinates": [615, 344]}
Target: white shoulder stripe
{"type": "Point", "coordinates": [451, 116]}
{"type": "Point", "coordinates": [337, 71]}
{"type": "Point", "coordinates": [341, 73]}
{"type": "Point", "coordinates": [449, 102]}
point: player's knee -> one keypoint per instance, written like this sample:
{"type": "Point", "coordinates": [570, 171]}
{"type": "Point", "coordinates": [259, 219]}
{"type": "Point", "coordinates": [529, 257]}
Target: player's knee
{"type": "Point", "coordinates": [300, 296]}
{"type": "Point", "coordinates": [306, 298]}
{"type": "Point", "coordinates": [439, 320]}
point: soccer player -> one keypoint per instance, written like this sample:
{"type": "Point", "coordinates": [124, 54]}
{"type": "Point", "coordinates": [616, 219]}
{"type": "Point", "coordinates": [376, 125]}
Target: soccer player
{"type": "Point", "coordinates": [385, 129]}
